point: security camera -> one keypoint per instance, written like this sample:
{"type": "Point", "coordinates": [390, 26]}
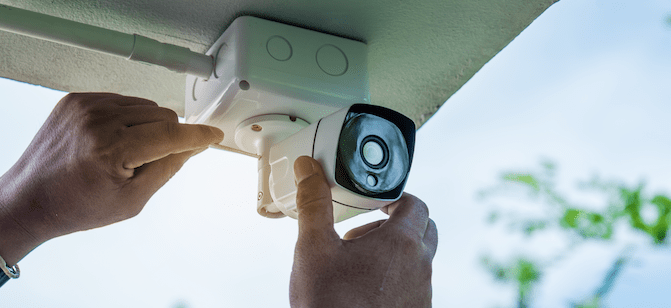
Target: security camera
{"type": "Point", "coordinates": [279, 92]}
{"type": "Point", "coordinates": [365, 151]}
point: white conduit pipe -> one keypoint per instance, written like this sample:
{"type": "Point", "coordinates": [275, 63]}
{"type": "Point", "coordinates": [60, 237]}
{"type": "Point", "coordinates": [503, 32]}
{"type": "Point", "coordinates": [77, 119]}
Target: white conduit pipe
{"type": "Point", "coordinates": [132, 47]}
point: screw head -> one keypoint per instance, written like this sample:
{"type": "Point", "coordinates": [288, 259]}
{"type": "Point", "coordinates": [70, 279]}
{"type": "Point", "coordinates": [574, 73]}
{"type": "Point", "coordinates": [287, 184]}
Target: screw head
{"type": "Point", "coordinates": [260, 196]}
{"type": "Point", "coordinates": [244, 85]}
{"type": "Point", "coordinates": [257, 128]}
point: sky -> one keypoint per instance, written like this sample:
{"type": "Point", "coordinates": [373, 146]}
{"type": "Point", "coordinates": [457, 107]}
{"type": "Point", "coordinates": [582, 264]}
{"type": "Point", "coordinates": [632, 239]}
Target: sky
{"type": "Point", "coordinates": [585, 85]}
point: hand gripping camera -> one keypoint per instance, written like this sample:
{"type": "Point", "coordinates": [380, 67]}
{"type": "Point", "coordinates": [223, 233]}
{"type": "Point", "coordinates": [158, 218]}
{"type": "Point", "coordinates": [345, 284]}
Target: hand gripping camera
{"type": "Point", "coordinates": [280, 92]}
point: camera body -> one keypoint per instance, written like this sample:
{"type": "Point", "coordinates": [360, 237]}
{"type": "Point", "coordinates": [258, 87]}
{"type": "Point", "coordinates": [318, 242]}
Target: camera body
{"type": "Point", "coordinates": [365, 150]}
{"type": "Point", "coordinates": [279, 92]}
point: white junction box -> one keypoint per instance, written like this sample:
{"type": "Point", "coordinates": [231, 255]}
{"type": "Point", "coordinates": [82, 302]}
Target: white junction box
{"type": "Point", "coordinates": [269, 68]}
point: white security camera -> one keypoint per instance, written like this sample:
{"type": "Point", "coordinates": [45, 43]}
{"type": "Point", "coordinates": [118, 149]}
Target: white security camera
{"type": "Point", "coordinates": [365, 151]}
{"type": "Point", "coordinates": [279, 92]}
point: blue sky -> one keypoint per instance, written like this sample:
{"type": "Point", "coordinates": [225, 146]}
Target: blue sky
{"type": "Point", "coordinates": [587, 85]}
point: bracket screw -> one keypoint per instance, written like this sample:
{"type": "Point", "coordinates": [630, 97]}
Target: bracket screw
{"type": "Point", "coordinates": [260, 196]}
{"type": "Point", "coordinates": [256, 128]}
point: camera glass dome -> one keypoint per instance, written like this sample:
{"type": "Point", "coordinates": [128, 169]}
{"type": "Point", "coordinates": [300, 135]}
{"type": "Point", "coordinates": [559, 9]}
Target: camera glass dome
{"type": "Point", "coordinates": [374, 154]}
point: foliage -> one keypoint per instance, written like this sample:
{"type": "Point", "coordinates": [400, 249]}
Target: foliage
{"type": "Point", "coordinates": [523, 272]}
{"type": "Point", "coordinates": [626, 204]}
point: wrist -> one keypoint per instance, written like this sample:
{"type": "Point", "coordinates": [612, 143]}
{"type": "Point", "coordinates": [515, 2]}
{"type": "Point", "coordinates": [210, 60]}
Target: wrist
{"type": "Point", "coordinates": [20, 215]}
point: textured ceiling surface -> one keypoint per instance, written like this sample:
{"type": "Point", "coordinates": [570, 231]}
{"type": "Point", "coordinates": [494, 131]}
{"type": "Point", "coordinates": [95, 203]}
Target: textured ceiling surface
{"type": "Point", "coordinates": [420, 52]}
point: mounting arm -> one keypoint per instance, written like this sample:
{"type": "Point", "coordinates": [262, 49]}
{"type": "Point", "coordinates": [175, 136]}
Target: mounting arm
{"type": "Point", "coordinates": [132, 47]}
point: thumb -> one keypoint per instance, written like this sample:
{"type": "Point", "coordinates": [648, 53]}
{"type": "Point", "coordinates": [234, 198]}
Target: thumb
{"type": "Point", "coordinates": [313, 201]}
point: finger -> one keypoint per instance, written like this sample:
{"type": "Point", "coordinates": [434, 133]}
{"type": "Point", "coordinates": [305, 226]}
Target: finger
{"type": "Point", "coordinates": [408, 213]}
{"type": "Point", "coordinates": [89, 95]}
{"type": "Point", "coordinates": [133, 101]}
{"type": "Point", "coordinates": [153, 141]}
{"type": "Point", "coordinates": [431, 237]}
{"type": "Point", "coordinates": [143, 114]}
{"type": "Point", "coordinates": [313, 201]}
{"type": "Point", "coordinates": [361, 231]}
{"type": "Point", "coordinates": [118, 99]}
{"type": "Point", "coordinates": [152, 176]}
{"type": "Point", "coordinates": [87, 99]}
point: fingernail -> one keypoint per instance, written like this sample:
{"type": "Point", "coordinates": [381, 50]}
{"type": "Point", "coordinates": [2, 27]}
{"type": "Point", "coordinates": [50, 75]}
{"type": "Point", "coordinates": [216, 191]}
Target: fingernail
{"type": "Point", "coordinates": [218, 133]}
{"type": "Point", "coordinates": [303, 168]}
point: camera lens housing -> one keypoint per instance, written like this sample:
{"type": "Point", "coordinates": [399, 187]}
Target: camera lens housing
{"type": "Point", "coordinates": [374, 155]}
{"type": "Point", "coordinates": [365, 152]}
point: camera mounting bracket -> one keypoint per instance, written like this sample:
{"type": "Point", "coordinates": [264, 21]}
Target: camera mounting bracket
{"type": "Point", "coordinates": [278, 77]}
{"type": "Point", "coordinates": [257, 135]}
{"type": "Point", "coordinates": [264, 67]}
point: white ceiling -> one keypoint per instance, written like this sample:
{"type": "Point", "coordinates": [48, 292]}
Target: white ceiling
{"type": "Point", "coordinates": [420, 52]}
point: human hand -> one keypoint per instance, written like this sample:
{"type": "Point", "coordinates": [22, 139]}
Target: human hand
{"type": "Point", "coordinates": [97, 160]}
{"type": "Point", "coordinates": [386, 263]}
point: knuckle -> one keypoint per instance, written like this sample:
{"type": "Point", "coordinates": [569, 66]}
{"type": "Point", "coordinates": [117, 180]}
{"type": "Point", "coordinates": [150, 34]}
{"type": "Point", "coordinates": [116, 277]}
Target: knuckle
{"type": "Point", "coordinates": [428, 252]}
{"type": "Point", "coordinates": [134, 211]}
{"type": "Point", "coordinates": [170, 131]}
{"type": "Point", "coordinates": [431, 236]}
{"type": "Point", "coordinates": [69, 97]}
{"type": "Point", "coordinates": [135, 100]}
{"type": "Point", "coordinates": [414, 203]}
{"type": "Point", "coordinates": [309, 204]}
{"type": "Point", "coordinates": [421, 205]}
{"type": "Point", "coordinates": [150, 102]}
{"type": "Point", "coordinates": [170, 114]}
{"type": "Point", "coordinates": [313, 185]}
{"type": "Point", "coordinates": [432, 225]}
{"type": "Point", "coordinates": [73, 96]}
{"type": "Point", "coordinates": [409, 241]}
{"type": "Point", "coordinates": [204, 132]}
{"type": "Point", "coordinates": [132, 206]}
{"type": "Point", "coordinates": [73, 100]}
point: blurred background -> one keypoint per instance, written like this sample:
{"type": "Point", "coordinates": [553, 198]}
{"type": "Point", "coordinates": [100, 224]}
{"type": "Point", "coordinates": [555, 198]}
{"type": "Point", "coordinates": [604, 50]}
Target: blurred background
{"type": "Point", "coordinates": [547, 175]}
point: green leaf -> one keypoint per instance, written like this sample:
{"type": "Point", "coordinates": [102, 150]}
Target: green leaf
{"type": "Point", "coordinates": [632, 201]}
{"type": "Point", "coordinates": [663, 203]}
{"type": "Point", "coordinates": [595, 218]}
{"type": "Point", "coordinates": [570, 219]}
{"type": "Point", "coordinates": [526, 179]}
{"type": "Point", "coordinates": [658, 233]}
{"type": "Point", "coordinates": [661, 228]}
{"type": "Point", "coordinates": [527, 272]}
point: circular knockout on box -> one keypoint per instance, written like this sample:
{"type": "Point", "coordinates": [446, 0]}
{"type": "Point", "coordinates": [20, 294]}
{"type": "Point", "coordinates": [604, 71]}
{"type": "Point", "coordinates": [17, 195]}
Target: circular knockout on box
{"type": "Point", "coordinates": [332, 60]}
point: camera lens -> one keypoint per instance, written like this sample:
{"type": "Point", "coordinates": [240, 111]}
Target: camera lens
{"type": "Point", "coordinates": [373, 152]}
